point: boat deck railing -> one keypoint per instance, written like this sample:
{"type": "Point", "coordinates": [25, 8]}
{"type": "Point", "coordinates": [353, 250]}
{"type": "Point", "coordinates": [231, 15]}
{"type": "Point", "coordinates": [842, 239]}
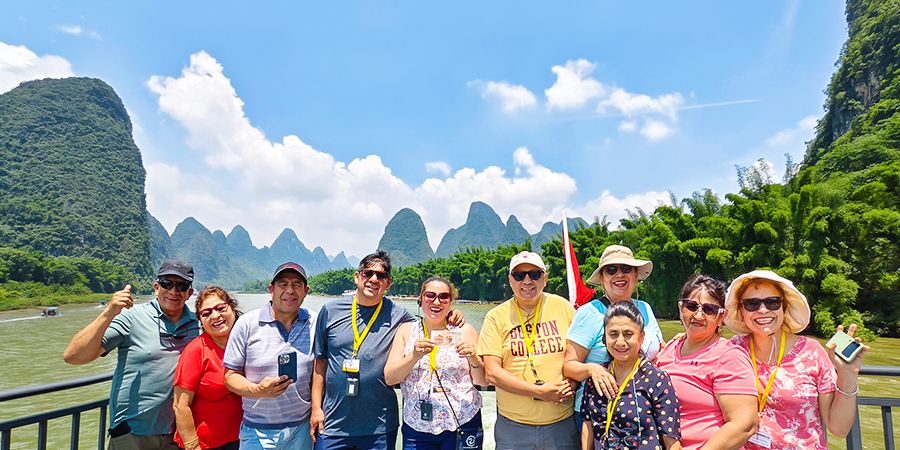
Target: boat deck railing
{"type": "Point", "coordinates": [854, 439]}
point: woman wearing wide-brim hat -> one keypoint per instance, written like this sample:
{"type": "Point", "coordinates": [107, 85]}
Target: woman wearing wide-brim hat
{"type": "Point", "coordinates": [618, 273]}
{"type": "Point", "coordinates": [812, 386]}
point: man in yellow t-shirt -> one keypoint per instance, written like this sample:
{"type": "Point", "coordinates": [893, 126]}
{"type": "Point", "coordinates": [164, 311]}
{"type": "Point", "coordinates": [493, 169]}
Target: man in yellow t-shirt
{"type": "Point", "coordinates": [523, 344]}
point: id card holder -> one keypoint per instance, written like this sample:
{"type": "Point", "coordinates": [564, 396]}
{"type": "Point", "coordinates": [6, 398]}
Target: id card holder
{"type": "Point", "coordinates": [352, 387]}
{"type": "Point", "coordinates": [762, 439]}
{"type": "Point", "coordinates": [426, 410]}
{"type": "Point", "coordinates": [351, 365]}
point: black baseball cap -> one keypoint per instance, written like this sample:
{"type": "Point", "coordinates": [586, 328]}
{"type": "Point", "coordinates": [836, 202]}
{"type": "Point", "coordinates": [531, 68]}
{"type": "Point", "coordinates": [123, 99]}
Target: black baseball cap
{"type": "Point", "coordinates": [178, 268]}
{"type": "Point", "coordinates": [290, 267]}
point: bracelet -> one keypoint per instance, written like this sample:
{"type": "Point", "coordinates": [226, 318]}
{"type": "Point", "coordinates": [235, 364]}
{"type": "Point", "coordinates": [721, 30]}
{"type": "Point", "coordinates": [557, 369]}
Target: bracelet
{"type": "Point", "coordinates": [476, 367]}
{"type": "Point", "coordinates": [193, 443]}
{"type": "Point", "coordinates": [848, 394]}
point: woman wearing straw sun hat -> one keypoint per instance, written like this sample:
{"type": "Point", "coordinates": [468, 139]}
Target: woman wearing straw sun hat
{"type": "Point", "coordinates": [618, 273]}
{"type": "Point", "coordinates": [801, 385]}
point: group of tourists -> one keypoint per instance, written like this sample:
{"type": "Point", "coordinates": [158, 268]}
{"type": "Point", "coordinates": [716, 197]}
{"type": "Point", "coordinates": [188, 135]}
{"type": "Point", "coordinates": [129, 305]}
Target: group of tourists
{"type": "Point", "coordinates": [601, 377]}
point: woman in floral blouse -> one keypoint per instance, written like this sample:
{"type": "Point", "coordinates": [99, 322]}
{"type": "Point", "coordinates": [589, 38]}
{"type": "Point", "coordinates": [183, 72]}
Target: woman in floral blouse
{"type": "Point", "coordinates": [645, 413]}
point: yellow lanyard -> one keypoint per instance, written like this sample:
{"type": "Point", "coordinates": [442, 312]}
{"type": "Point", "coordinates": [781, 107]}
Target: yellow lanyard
{"type": "Point", "coordinates": [433, 355]}
{"type": "Point", "coordinates": [529, 340]}
{"type": "Point", "coordinates": [611, 407]}
{"type": "Point", "coordinates": [358, 338]}
{"type": "Point", "coordinates": [765, 395]}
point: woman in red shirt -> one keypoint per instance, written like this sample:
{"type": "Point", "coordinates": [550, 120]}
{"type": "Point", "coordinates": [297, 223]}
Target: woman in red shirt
{"type": "Point", "coordinates": [207, 414]}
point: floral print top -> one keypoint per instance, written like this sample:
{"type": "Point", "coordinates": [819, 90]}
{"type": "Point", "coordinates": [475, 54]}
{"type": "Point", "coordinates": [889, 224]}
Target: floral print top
{"type": "Point", "coordinates": [791, 414]}
{"type": "Point", "coordinates": [646, 411]}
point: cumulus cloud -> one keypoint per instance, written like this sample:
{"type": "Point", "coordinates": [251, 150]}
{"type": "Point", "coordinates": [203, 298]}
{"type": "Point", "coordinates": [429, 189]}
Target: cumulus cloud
{"type": "Point", "coordinates": [438, 166]}
{"type": "Point", "coordinates": [512, 97]}
{"type": "Point", "coordinates": [632, 105]}
{"type": "Point", "coordinates": [18, 64]}
{"type": "Point", "coordinates": [329, 203]}
{"type": "Point", "coordinates": [573, 87]}
{"type": "Point", "coordinates": [615, 209]}
{"type": "Point", "coordinates": [804, 129]}
{"type": "Point", "coordinates": [655, 130]}
{"type": "Point", "coordinates": [628, 126]}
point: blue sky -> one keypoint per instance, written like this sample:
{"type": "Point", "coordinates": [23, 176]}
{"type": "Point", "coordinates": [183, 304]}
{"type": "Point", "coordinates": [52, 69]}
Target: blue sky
{"type": "Point", "coordinates": [328, 117]}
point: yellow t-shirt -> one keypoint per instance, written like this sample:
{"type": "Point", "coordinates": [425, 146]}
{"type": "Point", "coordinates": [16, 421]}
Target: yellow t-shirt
{"type": "Point", "coordinates": [501, 336]}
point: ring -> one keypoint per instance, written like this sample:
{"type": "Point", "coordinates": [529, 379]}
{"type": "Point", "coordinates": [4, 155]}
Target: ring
{"type": "Point", "coordinates": [601, 382]}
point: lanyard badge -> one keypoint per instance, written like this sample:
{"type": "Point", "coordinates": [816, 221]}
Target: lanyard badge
{"type": "Point", "coordinates": [351, 365]}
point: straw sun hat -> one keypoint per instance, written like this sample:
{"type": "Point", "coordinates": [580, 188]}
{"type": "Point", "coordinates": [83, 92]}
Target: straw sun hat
{"type": "Point", "coordinates": [796, 308]}
{"type": "Point", "coordinates": [619, 255]}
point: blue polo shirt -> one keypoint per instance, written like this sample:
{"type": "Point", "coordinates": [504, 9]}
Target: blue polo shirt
{"type": "Point", "coordinates": [253, 348]}
{"type": "Point", "coordinates": [149, 345]}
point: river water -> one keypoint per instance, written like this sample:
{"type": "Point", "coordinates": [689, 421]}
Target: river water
{"type": "Point", "coordinates": [31, 350]}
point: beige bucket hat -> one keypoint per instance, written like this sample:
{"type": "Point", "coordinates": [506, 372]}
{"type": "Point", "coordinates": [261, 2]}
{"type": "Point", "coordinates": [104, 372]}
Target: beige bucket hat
{"type": "Point", "coordinates": [618, 255]}
{"type": "Point", "coordinates": [796, 307]}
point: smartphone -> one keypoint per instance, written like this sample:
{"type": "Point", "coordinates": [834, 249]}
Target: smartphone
{"type": "Point", "coordinates": [847, 347]}
{"type": "Point", "coordinates": [287, 365]}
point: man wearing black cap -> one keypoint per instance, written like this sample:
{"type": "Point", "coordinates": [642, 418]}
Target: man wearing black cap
{"type": "Point", "coordinates": [265, 346]}
{"type": "Point", "coordinates": [149, 338]}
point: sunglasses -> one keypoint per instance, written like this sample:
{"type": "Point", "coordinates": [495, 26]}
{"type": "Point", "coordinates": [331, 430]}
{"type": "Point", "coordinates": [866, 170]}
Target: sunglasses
{"type": "Point", "coordinates": [533, 274]}
{"type": "Point", "coordinates": [180, 286]}
{"type": "Point", "coordinates": [753, 304]}
{"type": "Point", "coordinates": [612, 270]}
{"type": "Point", "coordinates": [368, 273]}
{"type": "Point", "coordinates": [616, 443]}
{"type": "Point", "coordinates": [221, 308]}
{"type": "Point", "coordinates": [430, 297]}
{"type": "Point", "coordinates": [709, 309]}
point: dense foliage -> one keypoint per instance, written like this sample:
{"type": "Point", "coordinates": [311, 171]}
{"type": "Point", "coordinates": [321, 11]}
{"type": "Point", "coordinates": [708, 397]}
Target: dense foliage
{"type": "Point", "coordinates": [71, 177]}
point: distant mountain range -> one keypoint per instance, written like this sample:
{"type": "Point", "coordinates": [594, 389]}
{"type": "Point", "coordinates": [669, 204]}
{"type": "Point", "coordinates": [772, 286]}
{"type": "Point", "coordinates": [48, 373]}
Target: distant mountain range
{"type": "Point", "coordinates": [232, 260]}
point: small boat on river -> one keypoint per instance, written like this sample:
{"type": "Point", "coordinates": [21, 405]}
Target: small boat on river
{"type": "Point", "coordinates": [51, 312]}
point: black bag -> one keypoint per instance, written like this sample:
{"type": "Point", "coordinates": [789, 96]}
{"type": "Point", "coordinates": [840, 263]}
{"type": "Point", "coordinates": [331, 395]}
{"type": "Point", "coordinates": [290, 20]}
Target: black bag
{"type": "Point", "coordinates": [469, 439]}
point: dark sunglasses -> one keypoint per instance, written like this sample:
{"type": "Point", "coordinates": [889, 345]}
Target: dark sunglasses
{"type": "Point", "coordinates": [180, 286]}
{"type": "Point", "coordinates": [430, 297]}
{"type": "Point", "coordinates": [533, 274]}
{"type": "Point", "coordinates": [613, 442]}
{"type": "Point", "coordinates": [366, 274]}
{"type": "Point", "coordinates": [709, 309]}
{"type": "Point", "coordinates": [753, 304]}
{"type": "Point", "coordinates": [611, 270]}
{"type": "Point", "coordinates": [221, 308]}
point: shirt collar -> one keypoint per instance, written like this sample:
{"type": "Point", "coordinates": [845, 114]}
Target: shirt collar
{"type": "Point", "coordinates": [186, 314]}
{"type": "Point", "coordinates": [265, 315]}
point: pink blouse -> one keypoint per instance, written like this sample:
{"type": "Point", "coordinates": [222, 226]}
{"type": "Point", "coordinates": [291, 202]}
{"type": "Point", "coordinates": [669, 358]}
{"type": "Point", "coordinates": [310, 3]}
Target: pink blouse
{"type": "Point", "coordinates": [791, 414]}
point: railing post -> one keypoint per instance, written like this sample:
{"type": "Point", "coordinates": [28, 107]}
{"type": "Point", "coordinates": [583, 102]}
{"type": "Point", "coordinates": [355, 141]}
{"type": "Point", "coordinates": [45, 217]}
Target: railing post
{"type": "Point", "coordinates": [5, 437]}
{"type": "Point", "coordinates": [888, 427]}
{"type": "Point", "coordinates": [76, 426]}
{"type": "Point", "coordinates": [42, 435]}
{"type": "Point", "coordinates": [854, 439]}
{"type": "Point", "coordinates": [101, 437]}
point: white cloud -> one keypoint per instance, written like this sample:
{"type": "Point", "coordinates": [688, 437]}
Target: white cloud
{"type": "Point", "coordinates": [438, 166]}
{"type": "Point", "coordinates": [328, 203]}
{"type": "Point", "coordinates": [512, 97]}
{"type": "Point", "coordinates": [632, 105]}
{"type": "Point", "coordinates": [655, 130]}
{"type": "Point", "coordinates": [804, 129]}
{"type": "Point", "coordinates": [628, 126]}
{"type": "Point", "coordinates": [18, 64]}
{"type": "Point", "coordinates": [615, 208]}
{"type": "Point", "coordinates": [573, 87]}
{"type": "Point", "coordinates": [70, 29]}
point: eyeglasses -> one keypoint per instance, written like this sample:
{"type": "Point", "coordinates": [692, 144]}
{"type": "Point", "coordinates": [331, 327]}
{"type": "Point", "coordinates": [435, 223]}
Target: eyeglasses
{"type": "Point", "coordinates": [709, 309]}
{"type": "Point", "coordinates": [753, 304]}
{"type": "Point", "coordinates": [533, 274]}
{"type": "Point", "coordinates": [612, 270]}
{"type": "Point", "coordinates": [368, 273]}
{"type": "Point", "coordinates": [430, 297]}
{"type": "Point", "coordinates": [614, 442]}
{"type": "Point", "coordinates": [221, 308]}
{"type": "Point", "coordinates": [180, 286]}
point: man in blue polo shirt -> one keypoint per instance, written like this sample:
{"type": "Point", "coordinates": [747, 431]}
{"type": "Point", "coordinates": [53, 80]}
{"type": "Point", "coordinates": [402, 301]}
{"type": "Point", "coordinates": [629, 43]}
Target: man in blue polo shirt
{"type": "Point", "coordinates": [276, 408]}
{"type": "Point", "coordinates": [149, 338]}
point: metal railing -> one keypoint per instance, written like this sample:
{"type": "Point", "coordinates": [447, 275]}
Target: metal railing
{"type": "Point", "coordinates": [42, 419]}
{"type": "Point", "coordinates": [854, 439]}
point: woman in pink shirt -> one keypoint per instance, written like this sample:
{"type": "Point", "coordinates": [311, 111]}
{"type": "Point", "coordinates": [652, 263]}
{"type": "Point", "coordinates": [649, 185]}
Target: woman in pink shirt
{"type": "Point", "coordinates": [713, 378]}
{"type": "Point", "coordinates": [797, 381]}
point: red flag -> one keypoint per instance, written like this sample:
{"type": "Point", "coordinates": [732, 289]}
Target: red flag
{"type": "Point", "coordinates": [579, 293]}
